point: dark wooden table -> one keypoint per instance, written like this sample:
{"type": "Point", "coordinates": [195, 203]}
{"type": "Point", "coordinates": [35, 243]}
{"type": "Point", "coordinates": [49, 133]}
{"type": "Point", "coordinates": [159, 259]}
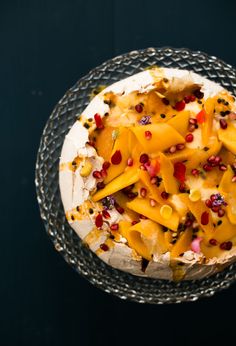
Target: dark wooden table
{"type": "Point", "coordinates": [45, 47]}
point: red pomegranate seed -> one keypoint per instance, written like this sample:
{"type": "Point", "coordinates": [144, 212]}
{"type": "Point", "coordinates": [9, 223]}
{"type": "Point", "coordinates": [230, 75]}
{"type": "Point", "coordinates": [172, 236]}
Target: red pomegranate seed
{"type": "Point", "coordinates": [100, 185]}
{"type": "Point", "coordinates": [106, 165]}
{"type": "Point", "coordinates": [182, 187]}
{"type": "Point", "coordinates": [143, 192]}
{"type": "Point", "coordinates": [179, 106]}
{"type": "Point", "coordinates": [144, 158]}
{"type": "Point", "coordinates": [116, 158]}
{"type": "Point", "coordinates": [164, 195]}
{"type": "Point", "coordinates": [191, 128]}
{"type": "Point", "coordinates": [218, 159]}
{"type": "Point", "coordinates": [142, 217]}
{"type": "Point", "coordinates": [165, 101]}
{"type": "Point", "coordinates": [208, 203]}
{"type": "Point", "coordinates": [211, 159]}
{"type": "Point", "coordinates": [223, 124]}
{"type": "Point", "coordinates": [207, 167]}
{"type": "Point", "coordinates": [195, 172]}
{"type": "Point", "coordinates": [213, 242]}
{"type": "Point", "coordinates": [104, 247]}
{"type": "Point", "coordinates": [187, 99]}
{"type": "Point", "coordinates": [98, 121]}
{"type": "Point", "coordinates": [103, 173]}
{"type": "Point", "coordinates": [99, 221]}
{"type": "Point", "coordinates": [180, 146]}
{"type": "Point", "coordinates": [132, 195]}
{"type": "Point", "coordinates": [148, 135]}
{"type": "Point", "coordinates": [120, 209]}
{"type": "Point", "coordinates": [213, 197]}
{"type": "Point", "coordinates": [134, 222]}
{"type": "Point", "coordinates": [179, 171]}
{"type": "Point", "coordinates": [172, 149]}
{"type": "Point", "coordinates": [139, 108]}
{"type": "Point", "coordinates": [222, 167]}
{"type": "Point", "coordinates": [193, 98]}
{"type": "Point", "coordinates": [189, 137]}
{"type": "Point", "coordinates": [153, 202]}
{"type": "Point", "coordinates": [233, 179]}
{"type": "Point", "coordinates": [97, 175]}
{"type": "Point", "coordinates": [192, 121]}
{"type": "Point", "coordinates": [215, 209]}
{"type": "Point", "coordinates": [221, 213]}
{"type": "Point", "coordinates": [114, 227]}
{"type": "Point", "coordinates": [142, 167]}
{"type": "Point", "coordinates": [205, 218]}
{"type": "Point", "coordinates": [130, 162]}
{"type": "Point", "coordinates": [106, 214]}
{"type": "Point", "coordinates": [227, 245]}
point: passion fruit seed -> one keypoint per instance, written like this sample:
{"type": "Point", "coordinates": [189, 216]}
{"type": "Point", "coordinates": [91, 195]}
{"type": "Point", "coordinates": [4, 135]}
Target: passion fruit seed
{"type": "Point", "coordinates": [165, 101]}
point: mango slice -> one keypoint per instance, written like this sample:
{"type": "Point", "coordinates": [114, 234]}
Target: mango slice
{"type": "Point", "coordinates": [154, 191]}
{"type": "Point", "coordinates": [228, 188]}
{"type": "Point", "coordinates": [224, 232]}
{"type": "Point", "coordinates": [142, 206]}
{"type": "Point", "coordinates": [182, 244]}
{"type": "Point", "coordinates": [197, 209]}
{"type": "Point", "coordinates": [206, 127]}
{"type": "Point", "coordinates": [146, 238]}
{"type": "Point", "coordinates": [228, 137]}
{"type": "Point", "coordinates": [105, 142]}
{"type": "Point", "coordinates": [182, 155]}
{"type": "Point", "coordinates": [129, 177]}
{"type": "Point", "coordinates": [122, 199]}
{"type": "Point", "coordinates": [167, 173]}
{"type": "Point", "coordinates": [163, 137]}
{"type": "Point", "coordinates": [180, 122]}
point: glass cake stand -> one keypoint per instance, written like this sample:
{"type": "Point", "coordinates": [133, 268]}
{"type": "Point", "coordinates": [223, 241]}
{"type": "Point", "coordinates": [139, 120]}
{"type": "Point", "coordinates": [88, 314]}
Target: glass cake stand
{"type": "Point", "coordinates": [65, 240]}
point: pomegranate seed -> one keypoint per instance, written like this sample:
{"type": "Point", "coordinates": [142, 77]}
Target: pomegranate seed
{"type": "Point", "coordinates": [153, 180]}
{"type": "Point", "coordinates": [144, 158]}
{"type": "Point", "coordinates": [143, 192]}
{"type": "Point", "coordinates": [234, 166]}
{"type": "Point", "coordinates": [207, 167]}
{"type": "Point", "coordinates": [180, 146]}
{"type": "Point", "coordinates": [134, 222]}
{"type": "Point", "coordinates": [191, 128]}
{"type": "Point", "coordinates": [103, 173]}
{"type": "Point", "coordinates": [218, 159]}
{"type": "Point", "coordinates": [98, 121]}
{"type": "Point", "coordinates": [106, 165]}
{"type": "Point", "coordinates": [211, 159]}
{"type": "Point", "coordinates": [193, 98]}
{"type": "Point", "coordinates": [142, 167]}
{"type": "Point", "coordinates": [223, 124]}
{"type": "Point", "coordinates": [205, 218]}
{"type": "Point", "coordinates": [114, 227]}
{"type": "Point", "coordinates": [97, 175]}
{"type": "Point", "coordinates": [198, 94]}
{"type": "Point", "coordinates": [99, 221]}
{"type": "Point", "coordinates": [182, 187]}
{"type": "Point", "coordinates": [234, 179]}
{"type": "Point", "coordinates": [165, 101]}
{"type": "Point", "coordinates": [153, 202]}
{"type": "Point", "coordinates": [132, 195]}
{"type": "Point", "coordinates": [208, 203]}
{"type": "Point", "coordinates": [221, 213]}
{"type": "Point", "coordinates": [139, 108]}
{"type": "Point", "coordinates": [106, 214]}
{"type": "Point", "coordinates": [100, 185]}
{"type": "Point", "coordinates": [213, 197]}
{"type": "Point", "coordinates": [164, 195]}
{"type": "Point", "coordinates": [116, 158]}
{"type": "Point", "coordinates": [130, 162]}
{"type": "Point", "coordinates": [213, 242]}
{"type": "Point", "coordinates": [120, 209]}
{"type": "Point", "coordinates": [172, 149]}
{"type": "Point", "coordinates": [188, 223]}
{"type": "Point", "coordinates": [179, 171]}
{"type": "Point", "coordinates": [192, 121]}
{"type": "Point", "coordinates": [189, 137]}
{"type": "Point", "coordinates": [142, 217]}
{"type": "Point", "coordinates": [148, 135]}
{"type": "Point", "coordinates": [104, 247]}
{"type": "Point", "coordinates": [222, 167]}
{"type": "Point", "coordinates": [179, 106]}
{"type": "Point", "coordinates": [227, 245]}
{"type": "Point", "coordinates": [187, 99]}
{"type": "Point", "coordinates": [195, 172]}
{"type": "Point", "coordinates": [215, 209]}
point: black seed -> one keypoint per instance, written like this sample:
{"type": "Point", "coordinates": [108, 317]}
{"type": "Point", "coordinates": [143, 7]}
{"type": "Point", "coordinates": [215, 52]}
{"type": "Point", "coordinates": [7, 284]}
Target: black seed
{"type": "Point", "coordinates": [163, 116]}
{"type": "Point", "coordinates": [227, 112]}
{"type": "Point", "coordinates": [90, 119]}
{"type": "Point", "coordinates": [86, 125]}
{"type": "Point", "coordinates": [199, 101]}
{"type": "Point", "coordinates": [219, 100]}
{"type": "Point", "coordinates": [90, 211]}
{"type": "Point", "coordinates": [106, 114]}
{"type": "Point", "coordinates": [180, 264]}
{"type": "Point", "coordinates": [144, 264]}
{"type": "Point", "coordinates": [206, 148]}
{"type": "Point", "coordinates": [77, 208]}
{"type": "Point", "coordinates": [219, 222]}
{"type": "Point", "coordinates": [72, 217]}
{"type": "Point", "coordinates": [222, 113]}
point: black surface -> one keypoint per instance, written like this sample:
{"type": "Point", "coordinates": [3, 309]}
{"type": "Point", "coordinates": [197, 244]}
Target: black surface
{"type": "Point", "coordinates": [45, 47]}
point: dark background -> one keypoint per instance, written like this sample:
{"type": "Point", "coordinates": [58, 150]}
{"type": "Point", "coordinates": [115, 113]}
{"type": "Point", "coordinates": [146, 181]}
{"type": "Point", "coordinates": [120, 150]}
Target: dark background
{"type": "Point", "coordinates": [46, 46]}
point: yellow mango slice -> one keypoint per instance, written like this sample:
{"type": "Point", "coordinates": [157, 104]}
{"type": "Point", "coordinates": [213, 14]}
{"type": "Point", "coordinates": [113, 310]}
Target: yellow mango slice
{"type": "Point", "coordinates": [146, 238]}
{"type": "Point", "coordinates": [228, 188]}
{"type": "Point", "coordinates": [142, 206]}
{"type": "Point", "coordinates": [180, 122]}
{"type": "Point", "coordinates": [129, 177]}
{"type": "Point", "coordinates": [224, 232]}
{"type": "Point", "coordinates": [154, 191]}
{"type": "Point", "coordinates": [122, 199]}
{"type": "Point", "coordinates": [210, 251]}
{"type": "Point", "coordinates": [206, 127]}
{"type": "Point", "coordinates": [182, 244]}
{"type": "Point", "coordinates": [105, 142]}
{"type": "Point", "coordinates": [228, 137]}
{"type": "Point", "coordinates": [228, 158]}
{"type": "Point", "coordinates": [120, 144]}
{"type": "Point", "coordinates": [197, 208]}
{"type": "Point", "coordinates": [167, 173]}
{"type": "Point", "coordinates": [182, 155]}
{"type": "Point", "coordinates": [163, 137]}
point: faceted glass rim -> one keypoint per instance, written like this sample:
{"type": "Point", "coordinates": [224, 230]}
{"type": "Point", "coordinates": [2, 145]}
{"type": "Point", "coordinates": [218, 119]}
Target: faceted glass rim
{"type": "Point", "coordinates": [65, 240]}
